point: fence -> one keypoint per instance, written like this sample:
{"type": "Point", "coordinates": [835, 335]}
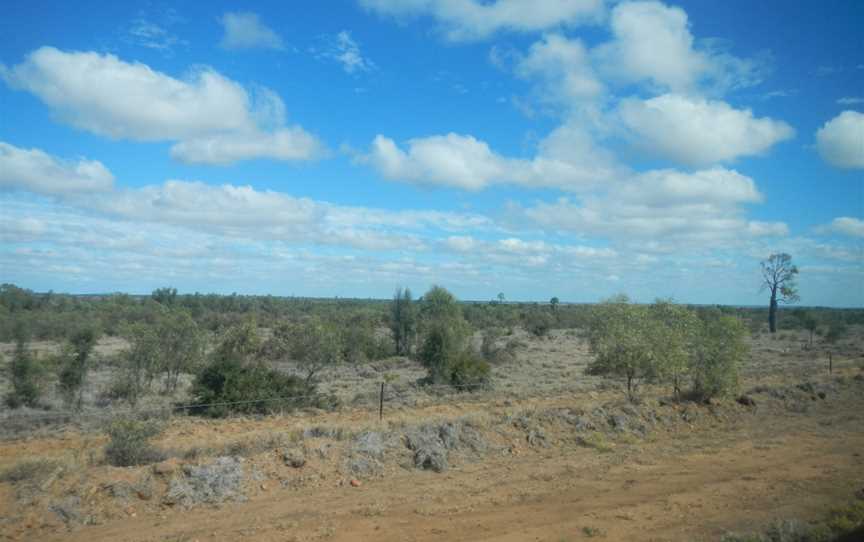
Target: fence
{"type": "Point", "coordinates": [289, 403]}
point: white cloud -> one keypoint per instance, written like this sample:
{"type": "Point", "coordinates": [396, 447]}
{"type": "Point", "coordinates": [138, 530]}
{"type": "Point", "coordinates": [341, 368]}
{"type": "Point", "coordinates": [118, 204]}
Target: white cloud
{"type": "Point", "coordinates": [841, 140]}
{"type": "Point", "coordinates": [343, 49]}
{"type": "Point", "coordinates": [148, 34]}
{"type": "Point", "coordinates": [283, 144]}
{"type": "Point", "coordinates": [244, 30]}
{"type": "Point", "coordinates": [107, 96]}
{"type": "Point", "coordinates": [697, 131]}
{"type": "Point", "coordinates": [850, 100]}
{"type": "Point", "coordinates": [668, 187]}
{"type": "Point", "coordinates": [666, 207]}
{"type": "Point", "coordinates": [564, 68]}
{"type": "Point", "coordinates": [652, 43]}
{"type": "Point", "coordinates": [472, 19]}
{"type": "Point", "coordinates": [566, 159]}
{"type": "Point", "coordinates": [845, 225]}
{"type": "Point", "coordinates": [34, 170]}
{"type": "Point", "coordinates": [450, 160]}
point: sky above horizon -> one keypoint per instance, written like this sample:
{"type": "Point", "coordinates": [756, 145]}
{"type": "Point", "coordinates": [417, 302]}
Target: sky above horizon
{"type": "Point", "coordinates": [575, 149]}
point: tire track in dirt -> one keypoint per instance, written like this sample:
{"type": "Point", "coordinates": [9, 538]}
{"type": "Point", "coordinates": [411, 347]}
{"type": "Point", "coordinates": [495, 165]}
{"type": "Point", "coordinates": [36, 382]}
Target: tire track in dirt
{"type": "Point", "coordinates": [654, 491]}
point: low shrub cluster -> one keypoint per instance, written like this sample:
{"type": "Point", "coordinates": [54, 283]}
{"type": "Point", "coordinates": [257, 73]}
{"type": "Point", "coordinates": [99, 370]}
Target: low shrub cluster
{"type": "Point", "coordinates": [667, 343]}
{"type": "Point", "coordinates": [129, 442]}
{"type": "Point", "coordinates": [229, 386]}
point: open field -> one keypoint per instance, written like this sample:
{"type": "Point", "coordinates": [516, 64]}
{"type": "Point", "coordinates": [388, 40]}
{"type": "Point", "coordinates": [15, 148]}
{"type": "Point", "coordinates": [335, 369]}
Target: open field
{"type": "Point", "coordinates": [548, 453]}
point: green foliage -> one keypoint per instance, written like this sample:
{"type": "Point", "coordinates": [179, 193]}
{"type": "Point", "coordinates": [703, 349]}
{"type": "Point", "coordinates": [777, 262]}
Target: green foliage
{"type": "Point", "coordinates": [403, 321]}
{"type": "Point", "coordinates": [129, 442]}
{"type": "Point", "coordinates": [74, 366]}
{"type": "Point", "coordinates": [469, 372]}
{"type": "Point", "coordinates": [227, 385]}
{"type": "Point", "coordinates": [620, 338]}
{"type": "Point", "coordinates": [360, 342]}
{"type": "Point", "coordinates": [312, 344]}
{"type": "Point", "coordinates": [171, 346]}
{"type": "Point", "coordinates": [439, 305]}
{"type": "Point", "coordinates": [671, 333]}
{"type": "Point", "coordinates": [240, 342]}
{"type": "Point", "coordinates": [164, 296]}
{"type": "Point", "coordinates": [26, 374]}
{"type": "Point", "coordinates": [719, 349]}
{"type": "Point", "coordinates": [443, 344]}
{"type": "Point", "coordinates": [445, 351]}
{"type": "Point", "coordinates": [538, 322]}
{"type": "Point", "coordinates": [668, 343]}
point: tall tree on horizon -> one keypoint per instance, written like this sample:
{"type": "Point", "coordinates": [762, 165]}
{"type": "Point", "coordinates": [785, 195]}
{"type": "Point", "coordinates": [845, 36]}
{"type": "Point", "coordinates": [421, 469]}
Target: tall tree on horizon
{"type": "Point", "coordinates": [778, 276]}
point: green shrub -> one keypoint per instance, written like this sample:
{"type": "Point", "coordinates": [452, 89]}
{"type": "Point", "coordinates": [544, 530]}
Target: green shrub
{"type": "Point", "coordinates": [469, 372]}
{"type": "Point", "coordinates": [26, 374]}
{"type": "Point", "coordinates": [620, 336]}
{"type": "Point", "coordinates": [129, 443]}
{"type": "Point", "coordinates": [718, 352]}
{"type": "Point", "coordinates": [74, 364]}
{"type": "Point", "coordinates": [227, 386]}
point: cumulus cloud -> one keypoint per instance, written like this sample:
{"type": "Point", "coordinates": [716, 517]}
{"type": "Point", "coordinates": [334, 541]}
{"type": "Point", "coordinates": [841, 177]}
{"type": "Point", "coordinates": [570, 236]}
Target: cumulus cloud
{"type": "Point", "coordinates": [841, 140]}
{"type": "Point", "coordinates": [566, 159]}
{"type": "Point", "coordinates": [652, 43]}
{"type": "Point", "coordinates": [450, 160]}
{"type": "Point", "coordinates": [845, 225]}
{"type": "Point", "coordinates": [697, 131]}
{"type": "Point", "coordinates": [462, 20]}
{"type": "Point", "coordinates": [35, 171]}
{"type": "Point", "coordinates": [343, 49]}
{"type": "Point", "coordinates": [244, 30]}
{"type": "Point", "coordinates": [563, 67]}
{"type": "Point", "coordinates": [107, 96]}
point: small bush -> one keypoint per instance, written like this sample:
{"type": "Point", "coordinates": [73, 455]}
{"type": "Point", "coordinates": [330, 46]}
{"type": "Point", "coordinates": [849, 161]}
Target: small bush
{"type": "Point", "coordinates": [469, 372]}
{"type": "Point", "coordinates": [227, 386]}
{"type": "Point", "coordinates": [26, 375]}
{"type": "Point", "coordinates": [74, 364]}
{"type": "Point", "coordinates": [129, 443]}
{"type": "Point", "coordinates": [539, 322]}
{"type": "Point", "coordinates": [718, 352]}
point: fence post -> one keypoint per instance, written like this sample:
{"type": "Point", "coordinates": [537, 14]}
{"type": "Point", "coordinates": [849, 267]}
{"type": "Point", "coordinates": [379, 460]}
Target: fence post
{"type": "Point", "coordinates": [381, 404]}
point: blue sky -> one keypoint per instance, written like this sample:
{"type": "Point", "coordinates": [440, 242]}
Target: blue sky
{"type": "Point", "coordinates": [551, 148]}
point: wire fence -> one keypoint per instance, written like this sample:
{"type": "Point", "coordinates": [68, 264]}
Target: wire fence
{"type": "Point", "coordinates": [383, 391]}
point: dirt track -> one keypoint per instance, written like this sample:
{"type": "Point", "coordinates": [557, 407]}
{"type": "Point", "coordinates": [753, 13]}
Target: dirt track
{"type": "Point", "coordinates": [692, 487]}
